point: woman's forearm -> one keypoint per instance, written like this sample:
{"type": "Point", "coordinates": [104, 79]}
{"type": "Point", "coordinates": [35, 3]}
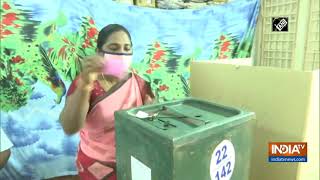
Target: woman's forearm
{"type": "Point", "coordinates": [75, 110]}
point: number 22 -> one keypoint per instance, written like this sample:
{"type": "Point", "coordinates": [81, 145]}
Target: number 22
{"type": "Point", "coordinates": [218, 153]}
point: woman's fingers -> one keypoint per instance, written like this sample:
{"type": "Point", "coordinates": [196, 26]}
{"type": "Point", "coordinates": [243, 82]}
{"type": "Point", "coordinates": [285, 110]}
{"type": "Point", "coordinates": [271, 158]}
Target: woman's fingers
{"type": "Point", "coordinates": [93, 69]}
{"type": "Point", "coordinates": [94, 64]}
{"type": "Point", "coordinates": [95, 59]}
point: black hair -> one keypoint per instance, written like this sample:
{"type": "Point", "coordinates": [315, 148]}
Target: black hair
{"type": "Point", "coordinates": [107, 31]}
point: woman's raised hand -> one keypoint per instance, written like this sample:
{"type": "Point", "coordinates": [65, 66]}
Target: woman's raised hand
{"type": "Point", "coordinates": [91, 68]}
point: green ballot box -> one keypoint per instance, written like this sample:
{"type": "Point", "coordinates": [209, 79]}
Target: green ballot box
{"type": "Point", "coordinates": [189, 139]}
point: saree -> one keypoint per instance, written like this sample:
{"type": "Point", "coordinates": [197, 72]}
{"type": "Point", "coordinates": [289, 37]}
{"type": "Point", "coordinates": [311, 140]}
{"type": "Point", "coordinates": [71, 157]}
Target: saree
{"type": "Point", "coordinates": [96, 154]}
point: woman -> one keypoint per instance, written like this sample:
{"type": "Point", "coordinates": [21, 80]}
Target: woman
{"type": "Point", "coordinates": [103, 87]}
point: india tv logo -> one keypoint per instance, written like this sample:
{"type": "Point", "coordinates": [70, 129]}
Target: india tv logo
{"type": "Point", "coordinates": [288, 152]}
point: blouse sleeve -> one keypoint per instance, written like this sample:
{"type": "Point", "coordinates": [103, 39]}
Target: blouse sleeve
{"type": "Point", "coordinates": [144, 87]}
{"type": "Point", "coordinates": [73, 86]}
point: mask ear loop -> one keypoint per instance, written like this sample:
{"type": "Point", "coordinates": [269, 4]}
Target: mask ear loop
{"type": "Point", "coordinates": [104, 79]}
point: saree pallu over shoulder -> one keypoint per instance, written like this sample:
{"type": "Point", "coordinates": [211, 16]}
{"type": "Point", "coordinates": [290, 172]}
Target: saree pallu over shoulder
{"type": "Point", "coordinates": [98, 135]}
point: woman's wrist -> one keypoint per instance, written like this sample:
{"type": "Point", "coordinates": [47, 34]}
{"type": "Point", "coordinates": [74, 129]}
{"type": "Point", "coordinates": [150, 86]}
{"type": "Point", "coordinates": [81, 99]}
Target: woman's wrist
{"type": "Point", "coordinates": [84, 86]}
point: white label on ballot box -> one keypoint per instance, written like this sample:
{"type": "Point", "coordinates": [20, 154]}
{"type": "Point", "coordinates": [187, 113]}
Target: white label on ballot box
{"type": "Point", "coordinates": [142, 115]}
{"type": "Point", "coordinates": [139, 171]}
{"type": "Point", "coordinates": [222, 161]}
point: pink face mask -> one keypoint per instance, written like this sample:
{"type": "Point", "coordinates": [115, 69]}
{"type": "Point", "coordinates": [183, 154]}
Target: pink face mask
{"type": "Point", "coordinates": [116, 65]}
